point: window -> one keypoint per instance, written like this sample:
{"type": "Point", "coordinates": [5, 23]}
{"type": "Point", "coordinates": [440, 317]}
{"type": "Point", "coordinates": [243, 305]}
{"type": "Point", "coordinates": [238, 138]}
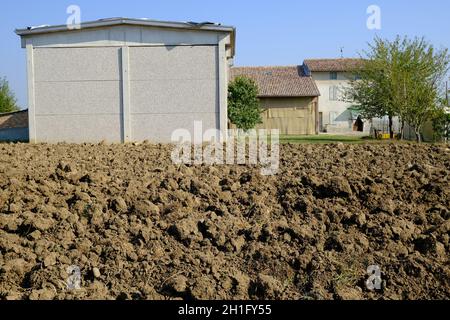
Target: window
{"type": "Point", "coordinates": [333, 116]}
{"type": "Point", "coordinates": [333, 75]}
{"type": "Point", "coordinates": [334, 93]}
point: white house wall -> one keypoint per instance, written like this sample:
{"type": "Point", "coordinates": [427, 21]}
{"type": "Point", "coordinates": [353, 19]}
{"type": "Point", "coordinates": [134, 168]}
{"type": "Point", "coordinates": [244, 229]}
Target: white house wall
{"type": "Point", "coordinates": [335, 115]}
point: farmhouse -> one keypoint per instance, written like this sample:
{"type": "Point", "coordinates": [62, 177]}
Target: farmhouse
{"type": "Point", "coordinates": [121, 80]}
{"type": "Point", "coordinates": [288, 96]}
{"type": "Point", "coordinates": [331, 77]}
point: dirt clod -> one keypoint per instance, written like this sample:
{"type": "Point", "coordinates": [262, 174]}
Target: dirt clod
{"type": "Point", "coordinates": [50, 260]}
{"type": "Point", "coordinates": [96, 273]}
{"type": "Point", "coordinates": [177, 284]}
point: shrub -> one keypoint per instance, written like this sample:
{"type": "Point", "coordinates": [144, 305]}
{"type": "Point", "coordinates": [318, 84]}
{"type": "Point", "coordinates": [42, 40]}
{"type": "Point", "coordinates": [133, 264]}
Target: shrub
{"type": "Point", "coordinates": [441, 125]}
{"type": "Point", "coordinates": [243, 104]}
{"type": "Point", "coordinates": [8, 102]}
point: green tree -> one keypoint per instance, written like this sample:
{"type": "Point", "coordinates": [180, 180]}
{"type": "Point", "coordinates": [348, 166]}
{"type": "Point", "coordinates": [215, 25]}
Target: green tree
{"type": "Point", "coordinates": [419, 73]}
{"type": "Point", "coordinates": [7, 100]}
{"type": "Point", "coordinates": [441, 126]}
{"type": "Point", "coordinates": [243, 104]}
{"type": "Point", "coordinates": [441, 122]}
{"type": "Point", "coordinates": [371, 91]}
{"type": "Point", "coordinates": [401, 78]}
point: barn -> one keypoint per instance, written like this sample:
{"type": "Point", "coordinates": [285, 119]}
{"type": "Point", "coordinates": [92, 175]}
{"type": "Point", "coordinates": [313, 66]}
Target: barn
{"type": "Point", "coordinates": [126, 80]}
{"type": "Point", "coordinates": [288, 97]}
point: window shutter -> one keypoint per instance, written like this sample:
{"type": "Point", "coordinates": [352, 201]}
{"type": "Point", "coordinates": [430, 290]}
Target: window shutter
{"type": "Point", "coordinates": [333, 93]}
{"type": "Point", "coordinates": [333, 116]}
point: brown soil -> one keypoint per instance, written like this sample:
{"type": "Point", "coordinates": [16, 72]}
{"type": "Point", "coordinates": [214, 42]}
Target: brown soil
{"type": "Point", "coordinates": [140, 227]}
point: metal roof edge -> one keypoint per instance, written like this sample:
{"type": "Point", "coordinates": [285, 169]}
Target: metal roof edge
{"type": "Point", "coordinates": [126, 21]}
{"type": "Point", "coordinates": [266, 67]}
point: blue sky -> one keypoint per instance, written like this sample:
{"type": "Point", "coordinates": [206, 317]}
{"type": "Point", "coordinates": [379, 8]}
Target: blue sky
{"type": "Point", "coordinates": [278, 32]}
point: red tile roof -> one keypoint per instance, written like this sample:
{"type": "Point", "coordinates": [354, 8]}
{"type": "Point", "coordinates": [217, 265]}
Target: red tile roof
{"type": "Point", "coordinates": [11, 120]}
{"type": "Point", "coordinates": [333, 65]}
{"type": "Point", "coordinates": [279, 81]}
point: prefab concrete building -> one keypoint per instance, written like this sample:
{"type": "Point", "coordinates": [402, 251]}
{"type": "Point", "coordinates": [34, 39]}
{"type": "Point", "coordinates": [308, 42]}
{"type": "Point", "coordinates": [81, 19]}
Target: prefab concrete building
{"type": "Point", "coordinates": [123, 80]}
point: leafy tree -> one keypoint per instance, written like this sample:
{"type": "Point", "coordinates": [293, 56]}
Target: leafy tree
{"type": "Point", "coordinates": [243, 104]}
{"type": "Point", "coordinates": [441, 122]}
{"type": "Point", "coordinates": [8, 102]}
{"type": "Point", "coordinates": [371, 89]}
{"type": "Point", "coordinates": [420, 72]}
{"type": "Point", "coordinates": [400, 78]}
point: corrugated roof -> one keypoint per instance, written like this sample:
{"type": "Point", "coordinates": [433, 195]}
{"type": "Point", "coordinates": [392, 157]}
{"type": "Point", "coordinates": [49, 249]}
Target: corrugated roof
{"type": "Point", "coordinates": [333, 65]}
{"type": "Point", "coordinates": [278, 81]}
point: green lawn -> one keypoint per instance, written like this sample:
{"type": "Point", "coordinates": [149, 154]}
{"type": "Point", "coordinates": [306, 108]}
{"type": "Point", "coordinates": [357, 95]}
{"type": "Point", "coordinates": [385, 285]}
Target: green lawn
{"type": "Point", "coordinates": [323, 139]}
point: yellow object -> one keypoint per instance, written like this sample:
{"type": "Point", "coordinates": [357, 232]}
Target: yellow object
{"type": "Point", "coordinates": [384, 136]}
